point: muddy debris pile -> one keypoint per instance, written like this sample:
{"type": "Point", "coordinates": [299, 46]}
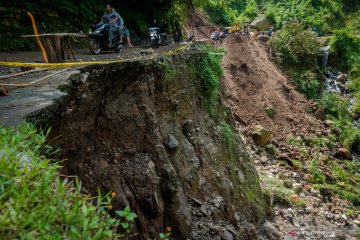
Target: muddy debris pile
{"type": "Point", "coordinates": [141, 129]}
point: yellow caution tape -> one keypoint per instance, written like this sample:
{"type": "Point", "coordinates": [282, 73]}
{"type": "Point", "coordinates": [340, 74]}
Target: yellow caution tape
{"type": "Point", "coordinates": [76, 64]}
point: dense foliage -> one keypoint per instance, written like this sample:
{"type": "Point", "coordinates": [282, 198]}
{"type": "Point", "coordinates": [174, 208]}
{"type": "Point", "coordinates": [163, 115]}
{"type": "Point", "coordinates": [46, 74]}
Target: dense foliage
{"type": "Point", "coordinates": [35, 203]}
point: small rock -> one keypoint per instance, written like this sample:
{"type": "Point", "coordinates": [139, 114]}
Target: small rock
{"type": "Point", "coordinates": [323, 157]}
{"type": "Point", "coordinates": [264, 159]}
{"type": "Point", "coordinates": [352, 228]}
{"type": "Point", "coordinates": [309, 209]}
{"type": "Point", "coordinates": [263, 38]}
{"type": "Point", "coordinates": [171, 142]}
{"type": "Point", "coordinates": [226, 235]}
{"type": "Point", "coordinates": [203, 210]}
{"type": "Point", "coordinates": [343, 153]}
{"type": "Point", "coordinates": [4, 91]}
{"type": "Point", "coordinates": [261, 136]}
{"type": "Point", "coordinates": [217, 201]}
{"type": "Point", "coordinates": [271, 230]}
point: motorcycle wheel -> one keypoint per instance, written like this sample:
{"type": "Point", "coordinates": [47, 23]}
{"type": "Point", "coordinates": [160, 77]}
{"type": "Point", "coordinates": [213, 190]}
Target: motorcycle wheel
{"type": "Point", "coordinates": [94, 46]}
{"type": "Point", "coordinates": [154, 44]}
{"type": "Point", "coordinates": [119, 48]}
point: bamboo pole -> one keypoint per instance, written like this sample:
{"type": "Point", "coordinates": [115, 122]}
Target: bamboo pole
{"type": "Point", "coordinates": [37, 37]}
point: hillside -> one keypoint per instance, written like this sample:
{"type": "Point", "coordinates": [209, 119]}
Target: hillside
{"type": "Point", "coordinates": [252, 83]}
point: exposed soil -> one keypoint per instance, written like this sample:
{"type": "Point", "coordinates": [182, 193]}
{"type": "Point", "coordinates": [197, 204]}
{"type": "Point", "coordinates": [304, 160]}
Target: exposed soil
{"type": "Point", "coordinates": [200, 24]}
{"type": "Point", "coordinates": [251, 83]}
{"type": "Point", "coordinates": [141, 129]}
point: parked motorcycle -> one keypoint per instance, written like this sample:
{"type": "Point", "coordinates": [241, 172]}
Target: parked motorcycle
{"type": "Point", "coordinates": [218, 35]}
{"type": "Point", "coordinates": [99, 38]}
{"type": "Point", "coordinates": [158, 38]}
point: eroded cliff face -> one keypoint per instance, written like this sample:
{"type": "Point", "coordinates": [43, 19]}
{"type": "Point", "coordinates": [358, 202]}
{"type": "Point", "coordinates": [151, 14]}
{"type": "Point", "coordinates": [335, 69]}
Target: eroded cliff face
{"type": "Point", "coordinates": [141, 129]}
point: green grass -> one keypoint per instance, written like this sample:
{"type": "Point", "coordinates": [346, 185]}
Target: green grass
{"type": "Point", "coordinates": [36, 203]}
{"type": "Point", "coordinates": [275, 188]}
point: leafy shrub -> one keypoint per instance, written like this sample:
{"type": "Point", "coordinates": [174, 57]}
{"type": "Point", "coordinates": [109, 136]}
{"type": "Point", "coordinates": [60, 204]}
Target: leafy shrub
{"type": "Point", "coordinates": [252, 10]}
{"type": "Point", "coordinates": [35, 203]}
{"type": "Point", "coordinates": [271, 14]}
{"type": "Point", "coordinates": [334, 106]}
{"type": "Point", "coordinates": [322, 15]}
{"type": "Point", "coordinates": [309, 84]}
{"type": "Point", "coordinates": [209, 70]}
{"type": "Point", "coordinates": [294, 44]}
{"type": "Point", "coordinates": [217, 15]}
{"type": "Point", "coordinates": [337, 109]}
{"type": "Point", "coordinates": [347, 48]}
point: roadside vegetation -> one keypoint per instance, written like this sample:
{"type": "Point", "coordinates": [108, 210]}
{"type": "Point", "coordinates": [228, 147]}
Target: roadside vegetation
{"type": "Point", "coordinates": [330, 176]}
{"type": "Point", "coordinates": [37, 202]}
{"type": "Point", "coordinates": [209, 71]}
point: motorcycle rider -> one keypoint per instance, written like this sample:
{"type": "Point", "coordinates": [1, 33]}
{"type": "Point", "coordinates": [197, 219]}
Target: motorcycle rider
{"type": "Point", "coordinates": [154, 24]}
{"type": "Point", "coordinates": [115, 23]}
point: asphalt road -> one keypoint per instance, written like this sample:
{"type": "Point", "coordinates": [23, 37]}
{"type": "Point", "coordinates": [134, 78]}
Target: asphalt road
{"type": "Point", "coordinates": [22, 101]}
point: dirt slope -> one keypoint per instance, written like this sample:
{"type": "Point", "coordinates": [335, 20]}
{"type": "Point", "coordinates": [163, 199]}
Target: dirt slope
{"type": "Point", "coordinates": [140, 129]}
{"type": "Point", "coordinates": [200, 23]}
{"type": "Point", "coordinates": [252, 82]}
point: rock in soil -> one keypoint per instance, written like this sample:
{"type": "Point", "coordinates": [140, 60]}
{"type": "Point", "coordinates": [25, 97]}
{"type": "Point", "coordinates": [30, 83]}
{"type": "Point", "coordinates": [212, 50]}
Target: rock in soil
{"type": "Point", "coordinates": [343, 153]}
{"type": "Point", "coordinates": [261, 136]}
{"type": "Point", "coordinates": [4, 91]}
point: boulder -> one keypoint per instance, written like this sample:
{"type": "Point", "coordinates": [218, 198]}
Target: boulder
{"type": "Point", "coordinates": [263, 38]}
{"type": "Point", "coordinates": [261, 136]}
{"type": "Point", "coordinates": [171, 142]}
{"type": "Point", "coordinates": [261, 24]}
{"type": "Point", "coordinates": [343, 153]}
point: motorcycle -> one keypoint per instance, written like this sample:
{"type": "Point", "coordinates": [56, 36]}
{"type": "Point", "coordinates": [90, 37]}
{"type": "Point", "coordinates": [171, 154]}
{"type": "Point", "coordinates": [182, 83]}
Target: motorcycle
{"type": "Point", "coordinates": [99, 38]}
{"type": "Point", "coordinates": [218, 35]}
{"type": "Point", "coordinates": [158, 38]}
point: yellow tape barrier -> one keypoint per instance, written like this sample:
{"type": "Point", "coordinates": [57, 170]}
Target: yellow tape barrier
{"type": "Point", "coordinates": [76, 64]}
